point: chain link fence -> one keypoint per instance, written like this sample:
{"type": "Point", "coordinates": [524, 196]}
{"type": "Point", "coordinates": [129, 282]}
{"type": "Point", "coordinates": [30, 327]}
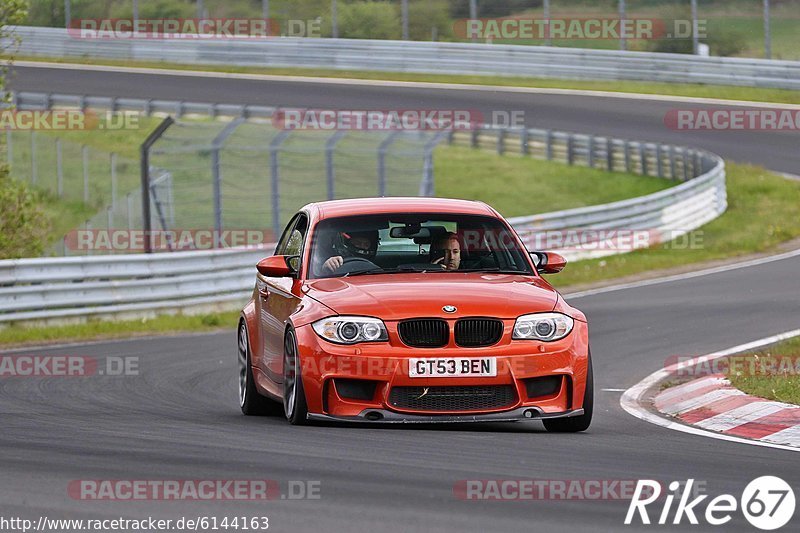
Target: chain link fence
{"type": "Point", "coordinates": [212, 172]}
{"type": "Point", "coordinates": [247, 174]}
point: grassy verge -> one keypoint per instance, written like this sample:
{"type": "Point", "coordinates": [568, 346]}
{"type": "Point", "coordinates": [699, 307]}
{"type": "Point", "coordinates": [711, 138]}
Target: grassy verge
{"type": "Point", "coordinates": [668, 89]}
{"type": "Point", "coordinates": [518, 186]}
{"type": "Point", "coordinates": [783, 386]}
{"type": "Point", "coordinates": [96, 329]}
{"type": "Point", "coordinates": [762, 213]}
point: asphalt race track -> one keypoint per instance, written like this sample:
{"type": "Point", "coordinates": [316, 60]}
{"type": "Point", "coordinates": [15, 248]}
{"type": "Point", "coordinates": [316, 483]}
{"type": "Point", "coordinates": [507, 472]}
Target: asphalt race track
{"type": "Point", "coordinates": [179, 418]}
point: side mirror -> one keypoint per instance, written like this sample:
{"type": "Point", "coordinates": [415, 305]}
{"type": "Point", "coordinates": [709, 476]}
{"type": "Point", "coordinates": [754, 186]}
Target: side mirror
{"type": "Point", "coordinates": [276, 266]}
{"type": "Point", "coordinates": [548, 262]}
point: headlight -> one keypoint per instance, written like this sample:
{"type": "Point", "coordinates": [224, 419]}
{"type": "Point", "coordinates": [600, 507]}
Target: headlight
{"type": "Point", "coordinates": [542, 327]}
{"type": "Point", "coordinates": [351, 329]}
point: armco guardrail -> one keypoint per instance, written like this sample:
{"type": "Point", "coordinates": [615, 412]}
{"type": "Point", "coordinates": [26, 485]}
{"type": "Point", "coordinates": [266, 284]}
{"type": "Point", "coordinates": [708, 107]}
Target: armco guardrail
{"type": "Point", "coordinates": [76, 287]}
{"type": "Point", "coordinates": [37, 290]}
{"type": "Point", "coordinates": [422, 57]}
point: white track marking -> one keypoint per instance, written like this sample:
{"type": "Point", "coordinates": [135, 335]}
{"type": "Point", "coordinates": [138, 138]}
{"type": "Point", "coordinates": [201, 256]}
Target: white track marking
{"type": "Point", "coordinates": [631, 400]}
{"type": "Point", "coordinates": [783, 436]}
{"type": "Point", "coordinates": [414, 84]}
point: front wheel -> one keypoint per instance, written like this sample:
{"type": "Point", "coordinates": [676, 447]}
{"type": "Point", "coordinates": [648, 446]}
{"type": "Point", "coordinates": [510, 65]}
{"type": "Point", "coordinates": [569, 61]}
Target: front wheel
{"type": "Point", "coordinates": [294, 397]}
{"type": "Point", "coordinates": [575, 424]}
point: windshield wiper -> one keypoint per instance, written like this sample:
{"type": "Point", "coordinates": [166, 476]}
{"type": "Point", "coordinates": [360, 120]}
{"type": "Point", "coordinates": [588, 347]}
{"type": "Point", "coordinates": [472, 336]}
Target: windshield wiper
{"type": "Point", "coordinates": [363, 272]}
{"type": "Point", "coordinates": [495, 270]}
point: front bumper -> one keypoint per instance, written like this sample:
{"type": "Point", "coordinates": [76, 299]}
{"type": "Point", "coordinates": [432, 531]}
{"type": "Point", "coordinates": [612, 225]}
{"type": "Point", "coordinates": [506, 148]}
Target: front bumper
{"type": "Point", "coordinates": [382, 416]}
{"type": "Point", "coordinates": [386, 365]}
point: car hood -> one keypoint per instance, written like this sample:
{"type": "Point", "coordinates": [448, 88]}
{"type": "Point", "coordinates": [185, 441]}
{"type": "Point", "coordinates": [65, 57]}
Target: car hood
{"type": "Point", "coordinates": [399, 296]}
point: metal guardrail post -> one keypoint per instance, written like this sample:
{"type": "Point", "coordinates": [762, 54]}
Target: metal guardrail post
{"type": "Point", "coordinates": [548, 144]}
{"type": "Point", "coordinates": [330, 175]}
{"type": "Point", "coordinates": [501, 136]}
{"type": "Point", "coordinates": [274, 146]}
{"type": "Point", "coordinates": [570, 149]}
{"type": "Point", "coordinates": [473, 141]}
{"type": "Point", "coordinates": [659, 162]}
{"type": "Point", "coordinates": [685, 164]}
{"type": "Point", "coordinates": [59, 169]}
{"type": "Point", "coordinates": [672, 172]}
{"type": "Point", "coordinates": [144, 162]}
{"type": "Point", "coordinates": [609, 154]}
{"type": "Point", "coordinates": [524, 136]}
{"type": "Point", "coordinates": [590, 151]}
{"type": "Point", "coordinates": [643, 158]}
{"type": "Point", "coordinates": [627, 148]}
{"type": "Point", "coordinates": [216, 174]}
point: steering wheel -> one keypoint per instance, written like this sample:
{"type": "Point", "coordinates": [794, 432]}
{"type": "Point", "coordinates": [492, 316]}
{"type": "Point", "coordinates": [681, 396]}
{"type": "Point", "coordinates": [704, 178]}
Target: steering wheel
{"type": "Point", "coordinates": [366, 264]}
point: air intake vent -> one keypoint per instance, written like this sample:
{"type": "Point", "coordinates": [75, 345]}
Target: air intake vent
{"type": "Point", "coordinates": [475, 332]}
{"type": "Point", "coordinates": [424, 333]}
{"type": "Point", "coordinates": [452, 398]}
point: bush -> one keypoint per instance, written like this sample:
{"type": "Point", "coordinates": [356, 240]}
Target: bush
{"type": "Point", "coordinates": [23, 224]}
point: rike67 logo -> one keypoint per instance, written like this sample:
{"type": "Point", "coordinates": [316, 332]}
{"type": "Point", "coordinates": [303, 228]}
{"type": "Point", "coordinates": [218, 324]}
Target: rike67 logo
{"type": "Point", "coordinates": [767, 502]}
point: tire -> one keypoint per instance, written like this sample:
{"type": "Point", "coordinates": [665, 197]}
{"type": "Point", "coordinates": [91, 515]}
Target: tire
{"type": "Point", "coordinates": [251, 402]}
{"type": "Point", "coordinates": [294, 397]}
{"type": "Point", "coordinates": [575, 424]}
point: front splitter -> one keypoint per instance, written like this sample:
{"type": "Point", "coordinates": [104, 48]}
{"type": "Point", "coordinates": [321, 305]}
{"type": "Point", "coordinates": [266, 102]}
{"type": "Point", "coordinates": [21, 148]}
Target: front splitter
{"type": "Point", "coordinates": [383, 416]}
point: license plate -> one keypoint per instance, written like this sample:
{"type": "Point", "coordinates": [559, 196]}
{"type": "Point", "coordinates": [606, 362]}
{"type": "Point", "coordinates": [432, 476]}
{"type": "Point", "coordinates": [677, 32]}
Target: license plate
{"type": "Point", "coordinates": [455, 367]}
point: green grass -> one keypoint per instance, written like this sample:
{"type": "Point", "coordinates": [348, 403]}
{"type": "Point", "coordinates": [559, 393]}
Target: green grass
{"type": "Point", "coordinates": [762, 213]}
{"type": "Point", "coordinates": [668, 89]}
{"type": "Point", "coordinates": [518, 186]}
{"type": "Point", "coordinates": [783, 387]}
{"type": "Point", "coordinates": [96, 329]}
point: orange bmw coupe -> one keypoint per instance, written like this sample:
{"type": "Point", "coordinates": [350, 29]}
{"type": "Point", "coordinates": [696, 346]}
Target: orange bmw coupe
{"type": "Point", "coordinates": [398, 310]}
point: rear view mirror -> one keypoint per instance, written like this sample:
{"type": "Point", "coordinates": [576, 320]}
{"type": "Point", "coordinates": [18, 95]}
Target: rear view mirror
{"type": "Point", "coordinates": [548, 262]}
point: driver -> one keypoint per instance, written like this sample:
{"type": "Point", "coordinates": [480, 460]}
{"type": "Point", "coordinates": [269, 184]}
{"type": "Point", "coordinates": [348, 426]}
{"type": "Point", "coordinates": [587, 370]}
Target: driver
{"type": "Point", "coordinates": [446, 251]}
{"type": "Point", "coordinates": [360, 244]}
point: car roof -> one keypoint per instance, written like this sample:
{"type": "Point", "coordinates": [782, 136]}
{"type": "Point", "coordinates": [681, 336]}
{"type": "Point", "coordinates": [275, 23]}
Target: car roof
{"type": "Point", "coordinates": [414, 204]}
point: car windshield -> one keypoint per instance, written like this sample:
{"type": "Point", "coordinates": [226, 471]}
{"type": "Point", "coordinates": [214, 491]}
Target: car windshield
{"type": "Point", "coordinates": [402, 242]}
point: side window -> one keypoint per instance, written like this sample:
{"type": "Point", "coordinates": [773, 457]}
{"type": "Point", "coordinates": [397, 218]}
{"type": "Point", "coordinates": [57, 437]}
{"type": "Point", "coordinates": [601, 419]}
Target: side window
{"type": "Point", "coordinates": [287, 234]}
{"type": "Point", "coordinates": [295, 244]}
